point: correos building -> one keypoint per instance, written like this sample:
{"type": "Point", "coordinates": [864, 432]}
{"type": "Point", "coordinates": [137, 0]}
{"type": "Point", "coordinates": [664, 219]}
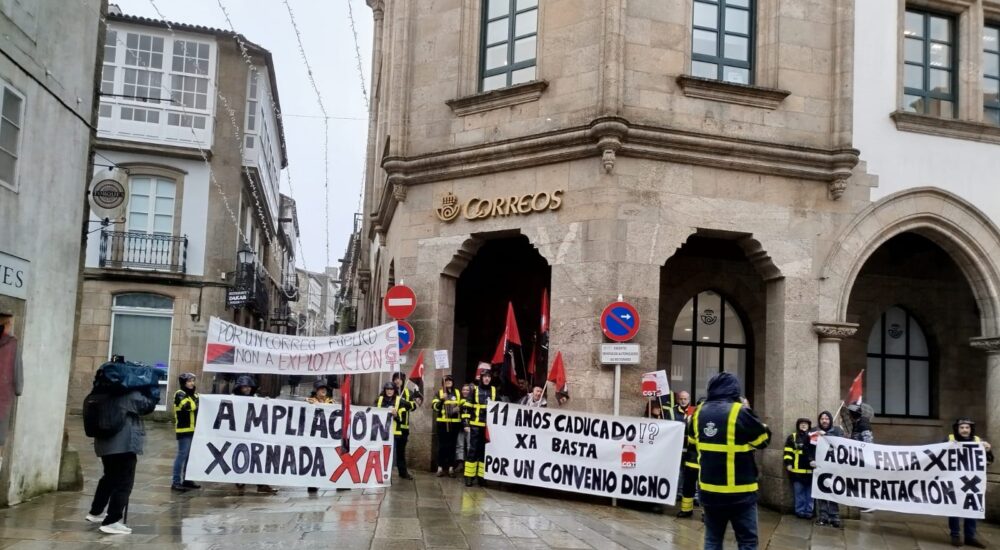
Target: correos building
{"type": "Point", "coordinates": [792, 192]}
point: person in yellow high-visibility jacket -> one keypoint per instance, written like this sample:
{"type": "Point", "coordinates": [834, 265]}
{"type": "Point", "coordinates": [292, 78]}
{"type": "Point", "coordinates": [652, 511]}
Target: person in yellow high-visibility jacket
{"type": "Point", "coordinates": [447, 406]}
{"type": "Point", "coordinates": [726, 432]}
{"type": "Point", "coordinates": [401, 408]}
{"type": "Point", "coordinates": [798, 459]}
{"type": "Point", "coordinates": [475, 424]}
{"type": "Point", "coordinates": [185, 414]}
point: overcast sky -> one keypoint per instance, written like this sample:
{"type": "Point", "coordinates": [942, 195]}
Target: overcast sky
{"type": "Point", "coordinates": [329, 46]}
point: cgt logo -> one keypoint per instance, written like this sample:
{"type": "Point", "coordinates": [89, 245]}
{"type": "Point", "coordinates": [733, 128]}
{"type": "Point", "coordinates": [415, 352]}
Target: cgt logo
{"type": "Point", "coordinates": [628, 456]}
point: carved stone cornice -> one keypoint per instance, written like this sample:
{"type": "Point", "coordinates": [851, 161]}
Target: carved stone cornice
{"type": "Point", "coordinates": [835, 331]}
{"type": "Point", "coordinates": [609, 138]}
{"type": "Point", "coordinates": [495, 99]}
{"type": "Point", "coordinates": [947, 127]}
{"type": "Point", "coordinates": [730, 92]}
{"type": "Point", "coordinates": [986, 343]}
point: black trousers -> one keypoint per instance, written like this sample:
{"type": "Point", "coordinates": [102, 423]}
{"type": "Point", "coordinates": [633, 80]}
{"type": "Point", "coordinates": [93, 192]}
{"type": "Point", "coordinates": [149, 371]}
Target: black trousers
{"type": "Point", "coordinates": [690, 482]}
{"type": "Point", "coordinates": [400, 442]}
{"type": "Point", "coordinates": [115, 486]}
{"type": "Point", "coordinates": [447, 433]}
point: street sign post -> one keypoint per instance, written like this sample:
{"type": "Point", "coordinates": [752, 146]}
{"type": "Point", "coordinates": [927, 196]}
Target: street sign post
{"type": "Point", "coordinates": [406, 336]}
{"type": "Point", "coordinates": [399, 302]}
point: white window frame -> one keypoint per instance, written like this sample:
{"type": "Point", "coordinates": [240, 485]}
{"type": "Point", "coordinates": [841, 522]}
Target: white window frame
{"type": "Point", "coordinates": [6, 85]}
{"type": "Point", "coordinates": [147, 312]}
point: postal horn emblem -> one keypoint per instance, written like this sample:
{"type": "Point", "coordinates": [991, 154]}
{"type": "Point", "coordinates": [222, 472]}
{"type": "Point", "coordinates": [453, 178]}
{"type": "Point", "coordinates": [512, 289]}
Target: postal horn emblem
{"type": "Point", "coordinates": [449, 208]}
{"type": "Point", "coordinates": [710, 429]}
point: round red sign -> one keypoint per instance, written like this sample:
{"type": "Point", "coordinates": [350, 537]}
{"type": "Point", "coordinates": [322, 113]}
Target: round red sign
{"type": "Point", "coordinates": [399, 302]}
{"type": "Point", "coordinates": [620, 321]}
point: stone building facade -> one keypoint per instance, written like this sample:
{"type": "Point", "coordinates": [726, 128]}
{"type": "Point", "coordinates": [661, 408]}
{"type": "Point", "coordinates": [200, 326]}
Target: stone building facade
{"type": "Point", "coordinates": [702, 159]}
{"type": "Point", "coordinates": [189, 114]}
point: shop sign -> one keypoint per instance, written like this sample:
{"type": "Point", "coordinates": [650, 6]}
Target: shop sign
{"type": "Point", "coordinates": [13, 276]}
{"type": "Point", "coordinates": [478, 208]}
{"type": "Point", "coordinates": [237, 298]}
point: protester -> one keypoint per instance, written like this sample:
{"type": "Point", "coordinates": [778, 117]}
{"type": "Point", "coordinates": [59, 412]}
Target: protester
{"type": "Point", "coordinates": [653, 409]}
{"type": "Point", "coordinates": [670, 409]}
{"type": "Point", "coordinates": [400, 411]}
{"type": "Point", "coordinates": [861, 429]}
{"type": "Point", "coordinates": [689, 469]}
{"type": "Point", "coordinates": [322, 393]}
{"type": "Point", "coordinates": [119, 453]}
{"type": "Point", "coordinates": [185, 415]}
{"type": "Point", "coordinates": [829, 511]}
{"type": "Point", "coordinates": [447, 406]}
{"type": "Point", "coordinates": [799, 454]}
{"type": "Point", "coordinates": [964, 429]}
{"type": "Point", "coordinates": [247, 387]}
{"type": "Point", "coordinates": [726, 431]}
{"type": "Point", "coordinates": [535, 398]}
{"type": "Point", "coordinates": [562, 397]}
{"type": "Point", "coordinates": [475, 426]}
{"type": "Point", "coordinates": [462, 444]}
{"type": "Point", "coordinates": [684, 404]}
{"type": "Point", "coordinates": [414, 396]}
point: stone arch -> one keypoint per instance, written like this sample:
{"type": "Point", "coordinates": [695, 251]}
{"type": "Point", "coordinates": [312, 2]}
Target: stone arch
{"type": "Point", "coordinates": [958, 227]}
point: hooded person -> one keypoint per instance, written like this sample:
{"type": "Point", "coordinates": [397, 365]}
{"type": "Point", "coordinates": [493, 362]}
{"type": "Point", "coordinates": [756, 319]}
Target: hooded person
{"type": "Point", "coordinates": [390, 398]}
{"type": "Point", "coordinates": [474, 424]}
{"type": "Point", "coordinates": [726, 432]}
{"type": "Point", "coordinates": [829, 511]}
{"type": "Point", "coordinates": [799, 458]}
{"type": "Point", "coordinates": [447, 407]}
{"type": "Point", "coordinates": [963, 431]}
{"type": "Point", "coordinates": [185, 414]}
{"type": "Point", "coordinates": [246, 386]}
{"type": "Point", "coordinates": [861, 425]}
{"type": "Point", "coordinates": [322, 393]}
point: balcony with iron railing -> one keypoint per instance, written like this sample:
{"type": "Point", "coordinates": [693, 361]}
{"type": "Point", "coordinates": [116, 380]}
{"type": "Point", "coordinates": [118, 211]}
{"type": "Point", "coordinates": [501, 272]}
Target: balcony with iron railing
{"type": "Point", "coordinates": [137, 250]}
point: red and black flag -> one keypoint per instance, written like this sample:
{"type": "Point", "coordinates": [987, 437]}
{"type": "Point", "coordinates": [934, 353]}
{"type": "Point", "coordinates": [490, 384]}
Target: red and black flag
{"type": "Point", "coordinates": [345, 399]}
{"type": "Point", "coordinates": [504, 355]}
{"type": "Point", "coordinates": [417, 373]}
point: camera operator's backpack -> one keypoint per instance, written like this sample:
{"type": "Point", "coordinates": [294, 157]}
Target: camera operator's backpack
{"type": "Point", "coordinates": [102, 415]}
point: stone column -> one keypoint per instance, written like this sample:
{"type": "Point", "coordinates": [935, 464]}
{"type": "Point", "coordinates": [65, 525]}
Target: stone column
{"type": "Point", "coordinates": [991, 346]}
{"type": "Point", "coordinates": [830, 335]}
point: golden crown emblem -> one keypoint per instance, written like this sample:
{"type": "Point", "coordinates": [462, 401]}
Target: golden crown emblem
{"type": "Point", "coordinates": [449, 208]}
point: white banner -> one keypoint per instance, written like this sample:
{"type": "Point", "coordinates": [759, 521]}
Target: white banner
{"type": "Point", "coordinates": [232, 348]}
{"type": "Point", "coordinates": [610, 456]}
{"type": "Point", "coordinates": [942, 479]}
{"type": "Point", "coordinates": [291, 443]}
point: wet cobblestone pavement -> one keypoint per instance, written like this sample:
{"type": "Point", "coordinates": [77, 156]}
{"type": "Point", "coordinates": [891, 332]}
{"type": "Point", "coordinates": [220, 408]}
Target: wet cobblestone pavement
{"type": "Point", "coordinates": [427, 513]}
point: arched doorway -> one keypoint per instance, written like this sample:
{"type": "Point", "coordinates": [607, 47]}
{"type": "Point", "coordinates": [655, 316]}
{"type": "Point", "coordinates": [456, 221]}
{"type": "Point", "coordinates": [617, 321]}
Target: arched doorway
{"type": "Point", "coordinates": [916, 314]}
{"type": "Point", "coordinates": [504, 270]}
{"type": "Point", "coordinates": [712, 312]}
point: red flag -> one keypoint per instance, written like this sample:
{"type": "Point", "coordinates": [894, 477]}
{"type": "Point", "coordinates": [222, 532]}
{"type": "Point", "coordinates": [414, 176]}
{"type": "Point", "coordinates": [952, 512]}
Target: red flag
{"type": "Point", "coordinates": [417, 373]}
{"type": "Point", "coordinates": [345, 399]}
{"type": "Point", "coordinates": [854, 394]}
{"type": "Point", "coordinates": [557, 374]}
{"type": "Point", "coordinates": [531, 363]}
{"type": "Point", "coordinates": [510, 336]}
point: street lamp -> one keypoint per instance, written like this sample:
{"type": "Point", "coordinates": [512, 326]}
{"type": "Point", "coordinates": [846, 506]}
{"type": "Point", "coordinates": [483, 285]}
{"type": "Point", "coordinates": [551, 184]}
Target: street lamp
{"type": "Point", "coordinates": [245, 256]}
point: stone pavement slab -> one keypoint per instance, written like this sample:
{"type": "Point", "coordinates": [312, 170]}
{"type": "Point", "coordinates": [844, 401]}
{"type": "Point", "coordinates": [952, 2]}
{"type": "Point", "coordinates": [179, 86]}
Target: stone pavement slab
{"type": "Point", "coordinates": [428, 513]}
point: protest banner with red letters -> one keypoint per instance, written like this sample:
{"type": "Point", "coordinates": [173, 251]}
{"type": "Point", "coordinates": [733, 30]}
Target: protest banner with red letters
{"type": "Point", "coordinates": [610, 456]}
{"type": "Point", "coordinates": [941, 479]}
{"type": "Point", "coordinates": [289, 443]}
{"type": "Point", "coordinates": [236, 349]}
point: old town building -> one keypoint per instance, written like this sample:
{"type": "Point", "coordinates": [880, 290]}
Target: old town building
{"type": "Point", "coordinates": [47, 116]}
{"type": "Point", "coordinates": [790, 191]}
{"type": "Point", "coordinates": [188, 113]}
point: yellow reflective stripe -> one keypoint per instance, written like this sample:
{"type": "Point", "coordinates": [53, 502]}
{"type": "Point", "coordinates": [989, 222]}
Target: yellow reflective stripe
{"type": "Point", "coordinates": [759, 441]}
{"type": "Point", "coordinates": [693, 465]}
{"type": "Point", "coordinates": [731, 443]}
{"type": "Point", "coordinates": [722, 448]}
{"type": "Point", "coordinates": [798, 471]}
{"type": "Point", "coordinates": [749, 488]}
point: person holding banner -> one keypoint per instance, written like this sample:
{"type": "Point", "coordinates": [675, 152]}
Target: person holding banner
{"type": "Point", "coordinates": [322, 393]}
{"type": "Point", "coordinates": [401, 430]}
{"type": "Point", "coordinates": [475, 426]}
{"type": "Point", "coordinates": [798, 459]}
{"type": "Point", "coordinates": [447, 406]}
{"type": "Point", "coordinates": [829, 511]}
{"type": "Point", "coordinates": [185, 414]}
{"type": "Point", "coordinates": [964, 430]}
{"type": "Point", "coordinates": [247, 386]}
{"type": "Point", "coordinates": [726, 432]}
{"type": "Point", "coordinates": [689, 466]}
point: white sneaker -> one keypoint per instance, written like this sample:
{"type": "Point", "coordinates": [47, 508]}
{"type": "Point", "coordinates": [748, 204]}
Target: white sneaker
{"type": "Point", "coordinates": [96, 519]}
{"type": "Point", "coordinates": [117, 528]}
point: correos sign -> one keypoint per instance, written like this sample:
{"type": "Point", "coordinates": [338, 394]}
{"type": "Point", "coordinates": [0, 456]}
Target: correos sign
{"type": "Point", "coordinates": [478, 209]}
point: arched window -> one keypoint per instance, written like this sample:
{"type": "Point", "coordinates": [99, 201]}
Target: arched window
{"type": "Point", "coordinates": [898, 377]}
{"type": "Point", "coordinates": [708, 338]}
{"type": "Point", "coordinates": [140, 331]}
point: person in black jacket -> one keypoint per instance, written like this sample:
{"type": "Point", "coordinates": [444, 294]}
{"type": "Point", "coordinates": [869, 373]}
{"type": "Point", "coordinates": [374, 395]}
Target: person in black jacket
{"type": "Point", "coordinates": [247, 387]}
{"type": "Point", "coordinates": [119, 454]}
{"type": "Point", "coordinates": [963, 431]}
{"type": "Point", "coordinates": [799, 456]}
{"type": "Point", "coordinates": [726, 432]}
{"type": "Point", "coordinates": [829, 511]}
{"type": "Point", "coordinates": [401, 407]}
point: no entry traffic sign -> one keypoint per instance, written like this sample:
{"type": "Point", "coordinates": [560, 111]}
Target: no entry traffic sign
{"type": "Point", "coordinates": [406, 336]}
{"type": "Point", "coordinates": [399, 302]}
{"type": "Point", "coordinates": [620, 321]}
